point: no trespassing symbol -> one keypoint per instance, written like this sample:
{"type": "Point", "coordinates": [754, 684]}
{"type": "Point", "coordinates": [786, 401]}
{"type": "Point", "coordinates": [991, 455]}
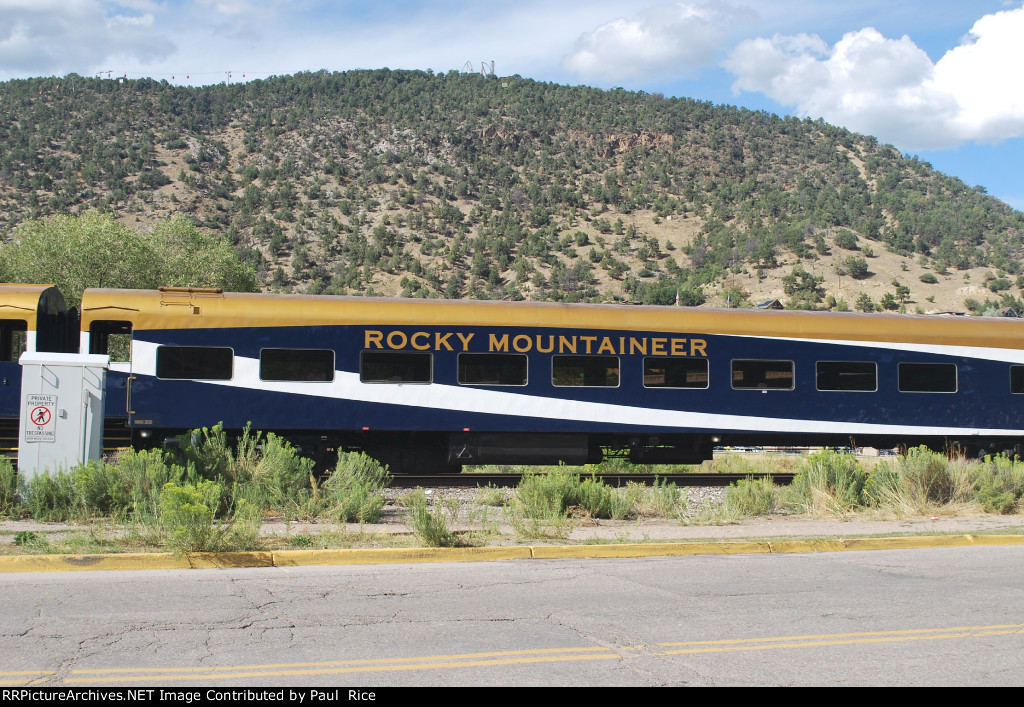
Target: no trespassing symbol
{"type": "Point", "coordinates": [39, 418]}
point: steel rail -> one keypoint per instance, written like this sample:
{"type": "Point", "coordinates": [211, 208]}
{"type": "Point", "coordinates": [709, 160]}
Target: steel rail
{"type": "Point", "coordinates": [506, 480]}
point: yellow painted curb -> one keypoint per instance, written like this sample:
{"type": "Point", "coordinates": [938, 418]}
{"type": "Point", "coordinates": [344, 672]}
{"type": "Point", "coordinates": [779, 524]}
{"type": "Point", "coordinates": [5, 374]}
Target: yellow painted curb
{"type": "Point", "coordinates": [356, 556]}
{"type": "Point", "coordinates": [133, 561]}
{"type": "Point", "coordinates": [793, 546]}
{"type": "Point", "coordinates": [997, 539]}
{"type": "Point", "coordinates": [912, 543]}
{"type": "Point", "coordinates": [557, 552]}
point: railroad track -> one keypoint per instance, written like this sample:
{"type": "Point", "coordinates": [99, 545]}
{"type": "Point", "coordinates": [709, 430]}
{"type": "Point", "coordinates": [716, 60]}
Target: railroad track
{"type": "Point", "coordinates": [509, 479]}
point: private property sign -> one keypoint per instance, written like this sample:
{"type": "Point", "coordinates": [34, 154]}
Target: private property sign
{"type": "Point", "coordinates": [40, 418]}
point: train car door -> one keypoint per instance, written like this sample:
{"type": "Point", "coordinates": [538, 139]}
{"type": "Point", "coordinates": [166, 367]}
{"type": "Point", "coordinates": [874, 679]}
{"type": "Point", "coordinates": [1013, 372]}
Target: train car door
{"type": "Point", "coordinates": [114, 338]}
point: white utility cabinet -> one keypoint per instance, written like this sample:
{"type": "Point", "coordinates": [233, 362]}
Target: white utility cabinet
{"type": "Point", "coordinates": [61, 410]}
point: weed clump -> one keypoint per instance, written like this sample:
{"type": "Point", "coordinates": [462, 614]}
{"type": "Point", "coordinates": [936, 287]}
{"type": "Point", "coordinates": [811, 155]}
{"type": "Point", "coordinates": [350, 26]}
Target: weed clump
{"type": "Point", "coordinates": [187, 520]}
{"type": "Point", "coordinates": [538, 508]}
{"type": "Point", "coordinates": [544, 503]}
{"type": "Point", "coordinates": [8, 488]}
{"type": "Point", "coordinates": [998, 484]}
{"type": "Point", "coordinates": [828, 482]}
{"type": "Point", "coordinates": [432, 523]}
{"type": "Point", "coordinates": [752, 496]}
{"type": "Point", "coordinates": [354, 492]}
{"type": "Point", "coordinates": [918, 482]}
{"type": "Point", "coordinates": [52, 497]}
{"type": "Point", "coordinates": [264, 470]}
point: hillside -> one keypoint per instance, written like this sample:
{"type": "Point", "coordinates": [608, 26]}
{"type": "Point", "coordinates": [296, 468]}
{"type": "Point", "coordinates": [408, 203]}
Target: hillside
{"type": "Point", "coordinates": [459, 185]}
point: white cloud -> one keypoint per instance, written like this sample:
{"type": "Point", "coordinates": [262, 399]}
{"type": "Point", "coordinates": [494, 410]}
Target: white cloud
{"type": "Point", "coordinates": [38, 37]}
{"type": "Point", "coordinates": [890, 87]}
{"type": "Point", "coordinates": [660, 40]}
{"type": "Point", "coordinates": [985, 76]}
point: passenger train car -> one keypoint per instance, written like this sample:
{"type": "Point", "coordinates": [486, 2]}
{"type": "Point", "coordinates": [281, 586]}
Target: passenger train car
{"type": "Point", "coordinates": [429, 385]}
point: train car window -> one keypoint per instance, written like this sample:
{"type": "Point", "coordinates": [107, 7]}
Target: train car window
{"type": "Point", "coordinates": [847, 376]}
{"type": "Point", "coordinates": [927, 377]}
{"type": "Point", "coordinates": [194, 362]}
{"type": "Point", "coordinates": [113, 338]}
{"type": "Point", "coordinates": [762, 375]}
{"type": "Point", "coordinates": [12, 338]}
{"type": "Point", "coordinates": [585, 371]}
{"type": "Point", "coordinates": [492, 369]}
{"type": "Point", "coordinates": [1017, 379]}
{"type": "Point", "coordinates": [675, 373]}
{"type": "Point", "coordinates": [395, 367]}
{"type": "Point", "coordinates": [304, 365]}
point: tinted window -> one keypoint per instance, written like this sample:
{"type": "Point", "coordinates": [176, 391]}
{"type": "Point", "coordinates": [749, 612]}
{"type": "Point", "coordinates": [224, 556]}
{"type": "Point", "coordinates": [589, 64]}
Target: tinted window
{"type": "Point", "coordinates": [588, 371]}
{"type": "Point", "coordinates": [1017, 379]}
{"type": "Point", "coordinates": [763, 375]}
{"type": "Point", "coordinates": [847, 375]}
{"type": "Point", "coordinates": [675, 373]}
{"type": "Point", "coordinates": [296, 365]}
{"type": "Point", "coordinates": [194, 362]}
{"type": "Point", "coordinates": [927, 377]}
{"type": "Point", "coordinates": [113, 338]}
{"type": "Point", "coordinates": [12, 338]}
{"type": "Point", "coordinates": [395, 367]}
{"type": "Point", "coordinates": [492, 369]}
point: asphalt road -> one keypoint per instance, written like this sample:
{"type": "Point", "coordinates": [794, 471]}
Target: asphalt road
{"type": "Point", "coordinates": [948, 616]}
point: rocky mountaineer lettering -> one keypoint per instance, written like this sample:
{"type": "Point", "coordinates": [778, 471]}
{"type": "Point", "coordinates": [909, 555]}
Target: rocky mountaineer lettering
{"type": "Point", "coordinates": [576, 344]}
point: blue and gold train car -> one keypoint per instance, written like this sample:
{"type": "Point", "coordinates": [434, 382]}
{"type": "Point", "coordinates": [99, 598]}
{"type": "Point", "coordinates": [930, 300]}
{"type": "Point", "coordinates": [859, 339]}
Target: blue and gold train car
{"type": "Point", "coordinates": [431, 385]}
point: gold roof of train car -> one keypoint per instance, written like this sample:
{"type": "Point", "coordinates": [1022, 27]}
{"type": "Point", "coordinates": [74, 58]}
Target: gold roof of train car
{"type": "Point", "coordinates": [182, 308]}
{"type": "Point", "coordinates": [26, 302]}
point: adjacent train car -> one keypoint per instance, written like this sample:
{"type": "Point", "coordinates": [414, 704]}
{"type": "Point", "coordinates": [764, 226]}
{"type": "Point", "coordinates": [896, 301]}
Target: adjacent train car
{"type": "Point", "coordinates": [430, 385]}
{"type": "Point", "coordinates": [32, 318]}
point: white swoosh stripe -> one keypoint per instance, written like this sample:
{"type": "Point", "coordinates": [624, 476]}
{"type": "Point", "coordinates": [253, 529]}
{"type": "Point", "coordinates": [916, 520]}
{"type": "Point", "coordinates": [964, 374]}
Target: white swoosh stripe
{"type": "Point", "coordinates": [347, 386]}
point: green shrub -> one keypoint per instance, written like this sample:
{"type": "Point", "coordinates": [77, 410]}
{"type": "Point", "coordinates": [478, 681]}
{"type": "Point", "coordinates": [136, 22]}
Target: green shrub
{"type": "Point", "coordinates": [538, 509]}
{"type": "Point", "coordinates": [208, 450]}
{"type": "Point", "coordinates": [8, 488]}
{"type": "Point", "coordinates": [98, 489]}
{"type": "Point", "coordinates": [187, 513]}
{"type": "Point", "coordinates": [26, 538]}
{"type": "Point", "coordinates": [431, 524]}
{"type": "Point", "coordinates": [140, 477]}
{"type": "Point", "coordinates": [731, 464]}
{"type": "Point", "coordinates": [918, 481]}
{"type": "Point", "coordinates": [828, 482]}
{"type": "Point", "coordinates": [354, 492]}
{"type": "Point", "coordinates": [592, 496]}
{"type": "Point", "coordinates": [751, 497]}
{"type": "Point", "coordinates": [280, 479]}
{"type": "Point", "coordinates": [846, 239]}
{"type": "Point", "coordinates": [553, 495]}
{"type": "Point", "coordinates": [998, 484]}
{"type": "Point", "coordinates": [619, 465]}
{"type": "Point", "coordinates": [128, 487]}
{"type": "Point", "coordinates": [929, 476]}
{"type": "Point", "coordinates": [537, 494]}
{"type": "Point", "coordinates": [663, 499]}
{"type": "Point", "coordinates": [264, 470]}
{"type": "Point", "coordinates": [52, 497]}
{"type": "Point", "coordinates": [490, 495]}
{"type": "Point", "coordinates": [625, 502]}
{"type": "Point", "coordinates": [187, 519]}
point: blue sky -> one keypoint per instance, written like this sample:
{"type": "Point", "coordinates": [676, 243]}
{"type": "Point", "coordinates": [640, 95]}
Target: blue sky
{"type": "Point", "coordinates": [939, 78]}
